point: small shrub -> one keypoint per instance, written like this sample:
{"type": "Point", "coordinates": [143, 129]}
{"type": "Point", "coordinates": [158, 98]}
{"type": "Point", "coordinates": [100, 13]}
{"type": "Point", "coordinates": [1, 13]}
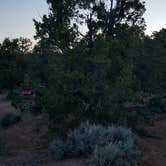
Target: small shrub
{"type": "Point", "coordinates": [157, 105]}
{"type": "Point", "coordinates": [117, 154]}
{"type": "Point", "coordinates": [10, 119]}
{"type": "Point", "coordinates": [3, 149]}
{"type": "Point", "coordinates": [107, 155]}
{"type": "Point", "coordinates": [57, 149]}
{"type": "Point", "coordinates": [84, 140]}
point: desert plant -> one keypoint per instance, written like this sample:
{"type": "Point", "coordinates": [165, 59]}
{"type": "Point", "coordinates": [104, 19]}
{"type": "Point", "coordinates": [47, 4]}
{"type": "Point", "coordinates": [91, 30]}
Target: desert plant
{"type": "Point", "coordinates": [117, 154]}
{"type": "Point", "coordinates": [57, 149]}
{"type": "Point", "coordinates": [84, 140]}
{"type": "Point", "coordinates": [9, 118]}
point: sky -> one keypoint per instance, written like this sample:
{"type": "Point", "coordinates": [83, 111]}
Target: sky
{"type": "Point", "coordinates": [16, 16]}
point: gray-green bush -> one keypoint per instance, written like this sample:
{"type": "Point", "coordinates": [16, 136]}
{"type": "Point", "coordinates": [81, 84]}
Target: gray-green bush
{"type": "Point", "coordinates": [116, 154]}
{"type": "Point", "coordinates": [95, 139]}
{"type": "Point", "coordinates": [57, 149]}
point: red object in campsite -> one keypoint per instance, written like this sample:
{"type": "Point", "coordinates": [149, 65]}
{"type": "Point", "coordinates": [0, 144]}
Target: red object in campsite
{"type": "Point", "coordinates": [26, 93]}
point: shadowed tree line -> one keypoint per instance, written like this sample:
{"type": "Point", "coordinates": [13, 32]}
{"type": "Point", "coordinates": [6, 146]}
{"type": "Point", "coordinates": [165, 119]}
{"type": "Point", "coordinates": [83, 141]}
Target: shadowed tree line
{"type": "Point", "coordinates": [92, 59]}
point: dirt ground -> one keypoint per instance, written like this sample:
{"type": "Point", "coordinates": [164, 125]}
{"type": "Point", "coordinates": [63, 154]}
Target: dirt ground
{"type": "Point", "coordinates": [154, 149]}
{"type": "Point", "coordinates": [27, 142]}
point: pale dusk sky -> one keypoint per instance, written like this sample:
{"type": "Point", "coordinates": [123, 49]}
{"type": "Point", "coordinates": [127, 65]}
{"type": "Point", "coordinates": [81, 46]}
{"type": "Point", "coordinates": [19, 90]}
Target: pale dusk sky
{"type": "Point", "coordinates": [16, 16]}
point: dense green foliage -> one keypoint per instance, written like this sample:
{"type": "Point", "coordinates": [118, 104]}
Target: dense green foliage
{"type": "Point", "coordinates": [95, 86]}
{"type": "Point", "coordinates": [13, 62]}
{"type": "Point", "coordinates": [94, 75]}
{"type": "Point", "coordinates": [59, 30]}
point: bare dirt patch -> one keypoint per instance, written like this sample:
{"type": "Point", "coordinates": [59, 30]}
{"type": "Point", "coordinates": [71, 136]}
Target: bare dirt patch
{"type": "Point", "coordinates": [27, 141]}
{"type": "Point", "coordinates": [154, 149]}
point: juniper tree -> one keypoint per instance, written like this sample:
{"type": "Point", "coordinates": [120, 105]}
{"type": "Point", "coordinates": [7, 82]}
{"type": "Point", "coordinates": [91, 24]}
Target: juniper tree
{"type": "Point", "coordinates": [55, 29]}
